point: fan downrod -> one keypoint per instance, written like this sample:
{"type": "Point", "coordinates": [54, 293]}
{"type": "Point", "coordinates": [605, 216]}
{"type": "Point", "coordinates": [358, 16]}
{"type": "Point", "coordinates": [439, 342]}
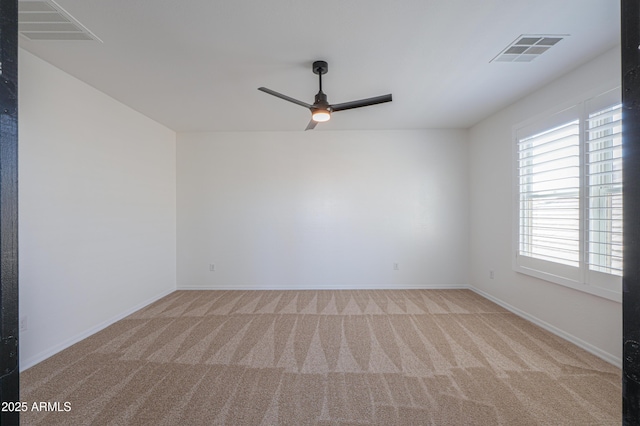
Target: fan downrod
{"type": "Point", "coordinates": [320, 67]}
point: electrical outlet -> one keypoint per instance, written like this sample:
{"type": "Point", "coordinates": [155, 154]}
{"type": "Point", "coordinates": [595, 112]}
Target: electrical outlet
{"type": "Point", "coordinates": [491, 274]}
{"type": "Point", "coordinates": [396, 267]}
{"type": "Point", "coordinates": [212, 267]}
{"type": "Point", "coordinates": [23, 323]}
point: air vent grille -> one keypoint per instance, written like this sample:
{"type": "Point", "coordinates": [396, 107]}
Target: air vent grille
{"type": "Point", "coordinates": [527, 47]}
{"type": "Point", "coordinates": [46, 20]}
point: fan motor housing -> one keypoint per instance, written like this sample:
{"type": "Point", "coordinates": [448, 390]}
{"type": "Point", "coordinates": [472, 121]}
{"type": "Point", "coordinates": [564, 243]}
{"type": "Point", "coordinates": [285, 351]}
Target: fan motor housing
{"type": "Point", "coordinates": [321, 103]}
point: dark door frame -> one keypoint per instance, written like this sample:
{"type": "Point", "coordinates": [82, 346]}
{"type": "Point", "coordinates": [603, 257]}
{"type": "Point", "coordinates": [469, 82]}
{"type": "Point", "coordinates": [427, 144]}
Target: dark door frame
{"type": "Point", "coordinates": [630, 46]}
{"type": "Point", "coordinates": [9, 370]}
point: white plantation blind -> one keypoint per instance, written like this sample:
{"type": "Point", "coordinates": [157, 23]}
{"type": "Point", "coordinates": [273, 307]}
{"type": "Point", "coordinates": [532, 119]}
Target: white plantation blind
{"type": "Point", "coordinates": [568, 198]}
{"type": "Point", "coordinates": [604, 179]}
{"type": "Point", "coordinates": [549, 190]}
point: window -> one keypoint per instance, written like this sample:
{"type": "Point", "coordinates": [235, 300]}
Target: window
{"type": "Point", "coordinates": [604, 175]}
{"type": "Point", "coordinates": [568, 210]}
{"type": "Point", "coordinates": [549, 182]}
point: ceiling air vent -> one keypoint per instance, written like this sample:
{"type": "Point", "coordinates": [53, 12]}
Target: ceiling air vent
{"type": "Point", "coordinates": [46, 20]}
{"type": "Point", "coordinates": [527, 47]}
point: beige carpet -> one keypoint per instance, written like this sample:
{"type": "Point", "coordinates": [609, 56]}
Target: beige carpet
{"type": "Point", "coordinates": [411, 357]}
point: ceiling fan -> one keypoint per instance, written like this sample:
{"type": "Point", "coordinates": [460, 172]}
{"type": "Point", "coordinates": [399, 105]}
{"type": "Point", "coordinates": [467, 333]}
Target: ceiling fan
{"type": "Point", "coordinates": [321, 109]}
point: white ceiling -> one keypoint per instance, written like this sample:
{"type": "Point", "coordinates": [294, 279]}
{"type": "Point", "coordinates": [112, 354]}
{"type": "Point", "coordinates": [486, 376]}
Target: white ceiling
{"type": "Point", "coordinates": [195, 65]}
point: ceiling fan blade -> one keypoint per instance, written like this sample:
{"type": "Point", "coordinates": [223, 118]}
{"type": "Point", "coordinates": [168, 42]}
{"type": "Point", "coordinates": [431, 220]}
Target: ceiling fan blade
{"type": "Point", "coordinates": [361, 103]}
{"type": "Point", "coordinates": [311, 125]}
{"type": "Point", "coordinates": [285, 97]}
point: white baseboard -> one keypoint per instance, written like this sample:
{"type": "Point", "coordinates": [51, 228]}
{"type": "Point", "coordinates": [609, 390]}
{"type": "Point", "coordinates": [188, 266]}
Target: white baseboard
{"type": "Point", "coordinates": [33, 360]}
{"type": "Point", "coordinates": [612, 359]}
{"type": "Point", "coordinates": [329, 287]}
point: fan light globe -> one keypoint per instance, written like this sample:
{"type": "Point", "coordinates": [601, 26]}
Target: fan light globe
{"type": "Point", "coordinates": [320, 116]}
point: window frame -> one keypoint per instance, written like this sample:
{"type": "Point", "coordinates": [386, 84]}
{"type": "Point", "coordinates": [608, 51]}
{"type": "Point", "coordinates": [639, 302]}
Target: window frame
{"type": "Point", "coordinates": [580, 278]}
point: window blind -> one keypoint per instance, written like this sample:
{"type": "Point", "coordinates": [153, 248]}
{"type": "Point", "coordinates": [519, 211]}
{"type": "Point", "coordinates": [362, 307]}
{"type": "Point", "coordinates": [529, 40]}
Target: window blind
{"type": "Point", "coordinates": [549, 188]}
{"type": "Point", "coordinates": [604, 179]}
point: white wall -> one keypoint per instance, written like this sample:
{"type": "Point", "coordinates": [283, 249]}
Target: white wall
{"type": "Point", "coordinates": [593, 322]}
{"type": "Point", "coordinates": [323, 209]}
{"type": "Point", "coordinates": [97, 209]}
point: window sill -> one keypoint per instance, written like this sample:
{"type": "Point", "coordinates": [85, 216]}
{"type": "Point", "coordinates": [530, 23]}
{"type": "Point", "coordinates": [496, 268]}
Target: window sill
{"type": "Point", "coordinates": [576, 285]}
